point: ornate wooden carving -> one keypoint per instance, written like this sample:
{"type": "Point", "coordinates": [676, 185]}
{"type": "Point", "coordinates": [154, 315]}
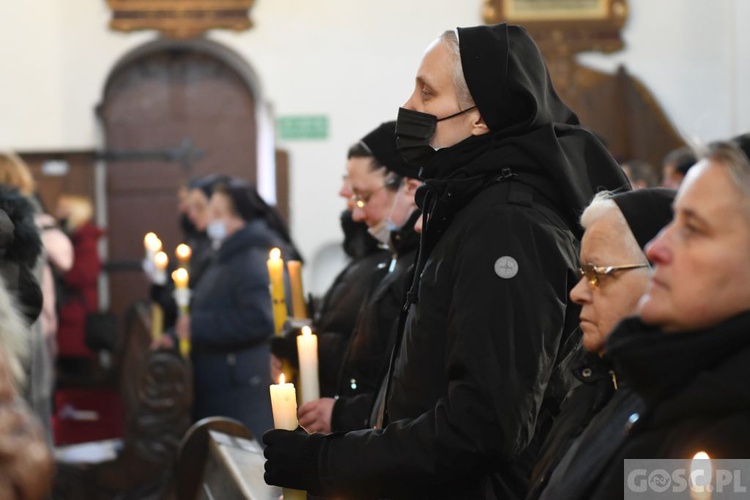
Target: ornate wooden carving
{"type": "Point", "coordinates": [617, 107]}
{"type": "Point", "coordinates": [180, 19]}
{"type": "Point", "coordinates": [157, 392]}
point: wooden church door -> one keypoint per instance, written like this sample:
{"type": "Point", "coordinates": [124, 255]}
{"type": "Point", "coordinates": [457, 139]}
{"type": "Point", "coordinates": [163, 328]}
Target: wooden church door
{"type": "Point", "coordinates": [168, 115]}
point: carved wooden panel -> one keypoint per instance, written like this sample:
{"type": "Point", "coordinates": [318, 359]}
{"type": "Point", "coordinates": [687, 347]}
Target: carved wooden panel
{"type": "Point", "coordinates": [618, 107]}
{"type": "Point", "coordinates": [567, 26]}
{"type": "Point", "coordinates": [157, 393]}
{"type": "Point", "coordinates": [180, 19]}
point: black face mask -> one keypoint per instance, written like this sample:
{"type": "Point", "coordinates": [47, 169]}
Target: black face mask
{"type": "Point", "coordinates": [414, 130]}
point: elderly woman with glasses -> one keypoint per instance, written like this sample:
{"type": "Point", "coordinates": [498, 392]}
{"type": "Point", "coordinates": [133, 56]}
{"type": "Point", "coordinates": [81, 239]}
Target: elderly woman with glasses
{"type": "Point", "coordinates": [614, 275]}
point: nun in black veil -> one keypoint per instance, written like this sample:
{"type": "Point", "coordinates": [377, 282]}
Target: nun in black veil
{"type": "Point", "coordinates": [478, 370]}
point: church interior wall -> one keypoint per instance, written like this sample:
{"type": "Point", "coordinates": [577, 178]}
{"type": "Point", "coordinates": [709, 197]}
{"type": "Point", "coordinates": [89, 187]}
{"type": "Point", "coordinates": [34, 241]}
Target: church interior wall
{"type": "Point", "coordinates": [353, 62]}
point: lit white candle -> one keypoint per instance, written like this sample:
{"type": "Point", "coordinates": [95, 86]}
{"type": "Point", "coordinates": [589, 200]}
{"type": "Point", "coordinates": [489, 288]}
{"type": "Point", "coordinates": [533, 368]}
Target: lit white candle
{"type": "Point", "coordinates": [701, 474]}
{"type": "Point", "coordinates": [307, 348]}
{"type": "Point", "coordinates": [160, 268]}
{"type": "Point", "coordinates": [183, 254]}
{"type": "Point", "coordinates": [181, 294]}
{"type": "Point", "coordinates": [284, 407]}
{"type": "Point", "coordinates": [152, 244]}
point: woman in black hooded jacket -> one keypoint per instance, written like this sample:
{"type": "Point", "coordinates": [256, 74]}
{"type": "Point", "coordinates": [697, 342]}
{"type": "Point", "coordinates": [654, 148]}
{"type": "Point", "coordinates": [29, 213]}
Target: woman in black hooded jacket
{"type": "Point", "coordinates": [473, 380]}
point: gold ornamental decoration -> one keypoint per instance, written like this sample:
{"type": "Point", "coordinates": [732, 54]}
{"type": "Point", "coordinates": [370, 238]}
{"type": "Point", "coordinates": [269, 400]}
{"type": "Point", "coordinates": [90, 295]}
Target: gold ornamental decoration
{"type": "Point", "coordinates": [180, 19]}
{"type": "Point", "coordinates": [564, 25]}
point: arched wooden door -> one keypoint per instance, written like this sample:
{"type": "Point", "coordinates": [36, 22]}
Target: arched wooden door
{"type": "Point", "coordinates": [165, 100]}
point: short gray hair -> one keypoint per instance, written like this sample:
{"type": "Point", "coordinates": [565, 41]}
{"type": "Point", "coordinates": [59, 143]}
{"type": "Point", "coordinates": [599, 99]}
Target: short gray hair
{"type": "Point", "coordinates": [737, 163]}
{"type": "Point", "coordinates": [600, 206]}
{"type": "Point", "coordinates": [450, 38]}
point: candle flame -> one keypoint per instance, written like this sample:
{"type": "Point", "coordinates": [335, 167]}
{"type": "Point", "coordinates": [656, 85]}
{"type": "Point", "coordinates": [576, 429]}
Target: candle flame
{"type": "Point", "coordinates": [306, 331]}
{"type": "Point", "coordinates": [700, 472]}
{"type": "Point", "coordinates": [183, 251]}
{"type": "Point", "coordinates": [152, 242]}
{"type": "Point", "coordinates": [282, 379]}
{"type": "Point", "coordinates": [275, 254]}
{"type": "Point", "coordinates": [161, 260]}
{"type": "Point", "coordinates": [180, 277]}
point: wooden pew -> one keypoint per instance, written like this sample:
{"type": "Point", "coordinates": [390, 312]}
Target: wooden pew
{"type": "Point", "coordinates": [157, 394]}
{"type": "Point", "coordinates": [219, 459]}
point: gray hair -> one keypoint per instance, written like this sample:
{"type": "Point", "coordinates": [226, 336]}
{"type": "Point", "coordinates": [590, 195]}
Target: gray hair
{"type": "Point", "coordinates": [600, 206]}
{"type": "Point", "coordinates": [450, 38]}
{"type": "Point", "coordinates": [737, 163]}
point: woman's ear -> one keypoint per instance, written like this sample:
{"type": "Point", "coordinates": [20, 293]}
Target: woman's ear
{"type": "Point", "coordinates": [478, 126]}
{"type": "Point", "coordinates": [411, 185]}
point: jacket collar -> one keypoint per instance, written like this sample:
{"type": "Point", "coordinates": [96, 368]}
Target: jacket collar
{"type": "Point", "coordinates": [405, 239]}
{"type": "Point", "coordinates": [659, 364]}
{"type": "Point", "coordinates": [254, 234]}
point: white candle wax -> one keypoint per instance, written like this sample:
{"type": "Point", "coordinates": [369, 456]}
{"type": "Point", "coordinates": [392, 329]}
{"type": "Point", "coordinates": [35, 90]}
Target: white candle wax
{"type": "Point", "coordinates": [284, 405]}
{"type": "Point", "coordinates": [307, 347]}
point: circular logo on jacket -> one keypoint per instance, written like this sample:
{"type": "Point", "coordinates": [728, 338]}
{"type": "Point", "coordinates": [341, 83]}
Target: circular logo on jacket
{"type": "Point", "coordinates": [506, 267]}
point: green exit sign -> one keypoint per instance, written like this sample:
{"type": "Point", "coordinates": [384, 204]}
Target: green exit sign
{"type": "Point", "coordinates": [303, 127]}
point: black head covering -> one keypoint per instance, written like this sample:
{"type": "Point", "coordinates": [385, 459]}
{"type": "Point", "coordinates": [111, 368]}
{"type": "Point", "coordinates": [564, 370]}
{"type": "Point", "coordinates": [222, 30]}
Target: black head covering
{"type": "Point", "coordinates": [508, 79]}
{"type": "Point", "coordinates": [382, 143]}
{"type": "Point", "coordinates": [534, 137]}
{"type": "Point", "coordinates": [20, 251]}
{"type": "Point", "coordinates": [743, 142]}
{"type": "Point", "coordinates": [250, 205]}
{"type": "Point", "coordinates": [6, 231]}
{"type": "Point", "coordinates": [208, 183]}
{"type": "Point", "coordinates": [646, 211]}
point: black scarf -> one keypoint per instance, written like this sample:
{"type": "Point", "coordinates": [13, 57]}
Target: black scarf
{"type": "Point", "coordinates": [657, 364]}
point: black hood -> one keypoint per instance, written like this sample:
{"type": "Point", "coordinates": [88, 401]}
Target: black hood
{"type": "Point", "coordinates": [534, 137]}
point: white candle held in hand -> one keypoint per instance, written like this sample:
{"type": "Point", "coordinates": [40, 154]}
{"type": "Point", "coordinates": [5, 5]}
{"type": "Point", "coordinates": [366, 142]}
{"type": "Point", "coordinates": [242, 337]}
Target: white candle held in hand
{"type": "Point", "coordinates": [284, 406]}
{"type": "Point", "coordinates": [161, 261]}
{"type": "Point", "coordinates": [307, 347]}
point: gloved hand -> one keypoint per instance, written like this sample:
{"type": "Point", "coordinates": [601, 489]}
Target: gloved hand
{"type": "Point", "coordinates": [292, 459]}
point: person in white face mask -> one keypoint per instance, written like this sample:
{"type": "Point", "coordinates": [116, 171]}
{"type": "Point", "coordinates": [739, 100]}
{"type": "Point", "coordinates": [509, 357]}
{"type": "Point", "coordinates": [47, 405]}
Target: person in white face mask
{"type": "Point", "coordinates": [230, 317]}
{"type": "Point", "coordinates": [374, 190]}
{"type": "Point", "coordinates": [372, 341]}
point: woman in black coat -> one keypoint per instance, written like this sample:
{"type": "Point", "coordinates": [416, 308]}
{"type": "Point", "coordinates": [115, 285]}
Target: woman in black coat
{"type": "Point", "coordinates": [614, 276]}
{"type": "Point", "coordinates": [371, 342]}
{"type": "Point", "coordinates": [472, 385]}
{"type": "Point", "coordinates": [688, 354]}
{"type": "Point", "coordinates": [230, 317]}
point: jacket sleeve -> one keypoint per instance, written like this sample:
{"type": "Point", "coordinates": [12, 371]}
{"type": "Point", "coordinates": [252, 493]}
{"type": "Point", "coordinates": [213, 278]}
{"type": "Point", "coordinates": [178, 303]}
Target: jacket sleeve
{"type": "Point", "coordinates": [352, 413]}
{"type": "Point", "coordinates": [502, 338]}
{"type": "Point", "coordinates": [248, 319]}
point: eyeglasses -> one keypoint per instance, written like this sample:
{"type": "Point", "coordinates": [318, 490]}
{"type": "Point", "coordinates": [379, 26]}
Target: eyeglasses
{"type": "Point", "coordinates": [360, 201]}
{"type": "Point", "coordinates": [592, 273]}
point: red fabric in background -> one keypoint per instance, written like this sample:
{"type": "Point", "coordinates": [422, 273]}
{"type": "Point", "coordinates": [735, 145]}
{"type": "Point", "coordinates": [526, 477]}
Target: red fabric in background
{"type": "Point", "coordinates": [109, 416]}
{"type": "Point", "coordinates": [80, 292]}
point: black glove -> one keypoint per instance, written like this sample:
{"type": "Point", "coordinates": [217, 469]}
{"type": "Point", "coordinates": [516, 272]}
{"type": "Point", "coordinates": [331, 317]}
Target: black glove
{"type": "Point", "coordinates": [292, 459]}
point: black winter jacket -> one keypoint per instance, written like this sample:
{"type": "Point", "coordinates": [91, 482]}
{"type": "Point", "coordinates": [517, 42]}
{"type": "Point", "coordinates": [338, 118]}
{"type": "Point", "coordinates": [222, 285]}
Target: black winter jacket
{"type": "Point", "coordinates": [343, 301]}
{"type": "Point", "coordinates": [478, 350]}
{"type": "Point", "coordinates": [695, 388]}
{"type": "Point", "coordinates": [586, 434]}
{"type": "Point", "coordinates": [370, 347]}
